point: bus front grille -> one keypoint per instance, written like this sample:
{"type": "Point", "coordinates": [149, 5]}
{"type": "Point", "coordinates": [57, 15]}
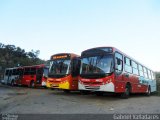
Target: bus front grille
{"type": "Point", "coordinates": [92, 87]}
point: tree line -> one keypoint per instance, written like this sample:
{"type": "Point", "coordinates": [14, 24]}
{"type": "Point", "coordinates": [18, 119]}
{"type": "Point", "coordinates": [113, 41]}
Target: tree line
{"type": "Point", "coordinates": [12, 56]}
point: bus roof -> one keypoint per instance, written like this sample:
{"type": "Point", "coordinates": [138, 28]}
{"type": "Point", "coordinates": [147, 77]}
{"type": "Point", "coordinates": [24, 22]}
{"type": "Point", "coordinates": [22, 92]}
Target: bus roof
{"type": "Point", "coordinates": [114, 49]}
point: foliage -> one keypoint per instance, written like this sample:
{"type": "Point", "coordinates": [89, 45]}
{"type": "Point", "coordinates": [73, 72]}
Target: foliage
{"type": "Point", "coordinates": [158, 82]}
{"type": "Point", "coordinates": [12, 56]}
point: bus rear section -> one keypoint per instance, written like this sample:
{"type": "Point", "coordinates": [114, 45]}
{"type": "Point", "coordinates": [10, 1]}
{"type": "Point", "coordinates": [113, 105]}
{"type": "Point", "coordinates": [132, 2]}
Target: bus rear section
{"type": "Point", "coordinates": [11, 75]}
{"type": "Point", "coordinates": [34, 76]}
{"type": "Point", "coordinates": [106, 69]}
{"type": "Point", "coordinates": [64, 71]}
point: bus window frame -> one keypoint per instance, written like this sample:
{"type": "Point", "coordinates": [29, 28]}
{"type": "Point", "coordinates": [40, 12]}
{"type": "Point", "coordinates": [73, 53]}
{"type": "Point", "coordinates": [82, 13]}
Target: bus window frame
{"type": "Point", "coordinates": [117, 71]}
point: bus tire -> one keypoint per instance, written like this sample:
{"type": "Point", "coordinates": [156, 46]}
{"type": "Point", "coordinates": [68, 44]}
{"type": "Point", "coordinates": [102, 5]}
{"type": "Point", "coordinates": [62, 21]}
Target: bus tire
{"type": "Point", "coordinates": [126, 94]}
{"type": "Point", "coordinates": [84, 92]}
{"type": "Point", "coordinates": [99, 93]}
{"type": "Point", "coordinates": [149, 91]}
{"type": "Point", "coordinates": [12, 83]}
{"type": "Point", "coordinates": [32, 84]}
{"type": "Point", "coordinates": [66, 91]}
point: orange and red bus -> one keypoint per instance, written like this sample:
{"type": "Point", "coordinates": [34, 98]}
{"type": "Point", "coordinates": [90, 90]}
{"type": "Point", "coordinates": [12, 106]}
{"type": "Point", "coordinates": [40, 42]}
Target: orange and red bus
{"type": "Point", "coordinates": [107, 69]}
{"type": "Point", "coordinates": [32, 76]}
{"type": "Point", "coordinates": [64, 72]}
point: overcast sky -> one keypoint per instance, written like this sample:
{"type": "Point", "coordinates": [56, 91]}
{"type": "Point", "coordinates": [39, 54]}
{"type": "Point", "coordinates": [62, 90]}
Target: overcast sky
{"type": "Point", "coordinates": [55, 26]}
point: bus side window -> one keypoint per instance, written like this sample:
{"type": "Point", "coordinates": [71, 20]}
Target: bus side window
{"type": "Point", "coordinates": [141, 73]}
{"type": "Point", "coordinates": [7, 72]}
{"type": "Point", "coordinates": [119, 63]}
{"type": "Point", "coordinates": [10, 72]}
{"type": "Point", "coordinates": [40, 71]}
{"type": "Point", "coordinates": [149, 74]}
{"type": "Point", "coordinates": [145, 72]}
{"type": "Point", "coordinates": [135, 68]}
{"type": "Point", "coordinates": [128, 65]}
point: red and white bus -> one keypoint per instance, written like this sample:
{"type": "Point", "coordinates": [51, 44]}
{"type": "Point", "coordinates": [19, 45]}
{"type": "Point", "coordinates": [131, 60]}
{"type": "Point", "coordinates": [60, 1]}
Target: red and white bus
{"type": "Point", "coordinates": [64, 72]}
{"type": "Point", "coordinates": [106, 69]}
{"type": "Point", "coordinates": [34, 76]}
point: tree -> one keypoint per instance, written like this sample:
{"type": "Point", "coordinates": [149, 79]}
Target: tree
{"type": "Point", "coordinates": [11, 56]}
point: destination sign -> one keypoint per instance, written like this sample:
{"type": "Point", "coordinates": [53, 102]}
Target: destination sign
{"type": "Point", "coordinates": [60, 56]}
{"type": "Point", "coordinates": [97, 51]}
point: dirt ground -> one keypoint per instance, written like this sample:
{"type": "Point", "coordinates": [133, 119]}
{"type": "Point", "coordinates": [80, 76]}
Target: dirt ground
{"type": "Point", "coordinates": [23, 100]}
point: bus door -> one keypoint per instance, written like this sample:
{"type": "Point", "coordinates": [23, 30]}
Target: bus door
{"type": "Point", "coordinates": [9, 77]}
{"type": "Point", "coordinates": [6, 76]}
{"type": "Point", "coordinates": [127, 69]}
{"type": "Point", "coordinates": [39, 75]}
{"type": "Point", "coordinates": [119, 81]}
{"type": "Point", "coordinates": [20, 76]}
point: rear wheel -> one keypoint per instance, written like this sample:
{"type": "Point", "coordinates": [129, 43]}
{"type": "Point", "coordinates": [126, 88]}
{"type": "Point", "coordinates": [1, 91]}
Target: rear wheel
{"type": "Point", "coordinates": [126, 94]}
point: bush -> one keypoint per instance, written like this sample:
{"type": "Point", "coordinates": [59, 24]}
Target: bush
{"type": "Point", "coordinates": [158, 87]}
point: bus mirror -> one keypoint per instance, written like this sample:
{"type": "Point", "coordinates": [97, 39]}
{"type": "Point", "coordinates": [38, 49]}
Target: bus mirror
{"type": "Point", "coordinates": [118, 62]}
{"type": "Point", "coordinates": [116, 67]}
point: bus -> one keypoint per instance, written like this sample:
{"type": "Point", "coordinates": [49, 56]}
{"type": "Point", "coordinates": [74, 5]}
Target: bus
{"type": "Point", "coordinates": [64, 72]}
{"type": "Point", "coordinates": [33, 76]}
{"type": "Point", "coordinates": [107, 69]}
{"type": "Point", "coordinates": [11, 75]}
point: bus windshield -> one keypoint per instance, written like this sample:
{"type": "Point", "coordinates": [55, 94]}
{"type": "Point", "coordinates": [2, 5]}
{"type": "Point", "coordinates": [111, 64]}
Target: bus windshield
{"type": "Point", "coordinates": [60, 67]}
{"type": "Point", "coordinates": [97, 64]}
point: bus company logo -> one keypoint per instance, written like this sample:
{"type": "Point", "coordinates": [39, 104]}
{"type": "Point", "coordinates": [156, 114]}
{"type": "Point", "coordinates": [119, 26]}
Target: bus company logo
{"type": "Point", "coordinates": [99, 80]}
{"type": "Point", "coordinates": [85, 80]}
{"type": "Point", "coordinates": [9, 117]}
{"type": "Point", "coordinates": [58, 80]}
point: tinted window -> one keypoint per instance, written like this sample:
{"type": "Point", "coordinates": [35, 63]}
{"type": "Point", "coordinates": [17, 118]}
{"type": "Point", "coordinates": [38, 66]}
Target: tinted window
{"type": "Point", "coordinates": [128, 67]}
{"type": "Point", "coordinates": [127, 61]}
{"type": "Point", "coordinates": [145, 72]}
{"type": "Point", "coordinates": [27, 71]}
{"type": "Point", "coordinates": [135, 68]}
{"type": "Point", "coordinates": [14, 72]}
{"type": "Point", "coordinates": [32, 71]}
{"type": "Point", "coordinates": [40, 71]}
{"type": "Point", "coordinates": [7, 72]}
{"type": "Point", "coordinates": [140, 70]}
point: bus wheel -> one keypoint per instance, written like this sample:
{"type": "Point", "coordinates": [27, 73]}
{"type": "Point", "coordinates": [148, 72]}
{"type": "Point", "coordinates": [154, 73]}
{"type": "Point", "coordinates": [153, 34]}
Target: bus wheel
{"type": "Point", "coordinates": [149, 91]}
{"type": "Point", "coordinates": [84, 92]}
{"type": "Point", "coordinates": [32, 84]}
{"type": "Point", "coordinates": [126, 94]}
{"type": "Point", "coordinates": [66, 91]}
{"type": "Point", "coordinates": [99, 93]}
{"type": "Point", "coordinates": [12, 83]}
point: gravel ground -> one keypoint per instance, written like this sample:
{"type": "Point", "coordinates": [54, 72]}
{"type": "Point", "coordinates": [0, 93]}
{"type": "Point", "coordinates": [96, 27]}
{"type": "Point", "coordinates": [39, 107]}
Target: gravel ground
{"type": "Point", "coordinates": [23, 100]}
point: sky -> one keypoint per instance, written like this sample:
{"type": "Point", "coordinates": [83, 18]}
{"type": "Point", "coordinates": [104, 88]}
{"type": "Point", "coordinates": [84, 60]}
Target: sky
{"type": "Point", "coordinates": [58, 26]}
